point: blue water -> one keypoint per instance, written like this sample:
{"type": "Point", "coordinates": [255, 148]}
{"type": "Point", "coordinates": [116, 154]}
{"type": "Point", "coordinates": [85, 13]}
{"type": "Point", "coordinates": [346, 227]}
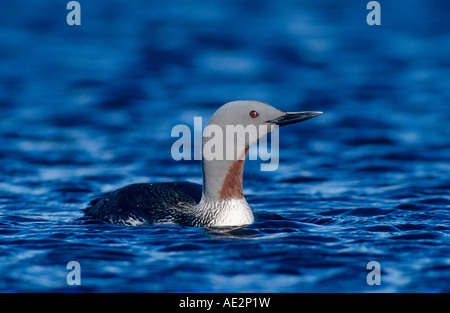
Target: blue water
{"type": "Point", "coordinates": [88, 109]}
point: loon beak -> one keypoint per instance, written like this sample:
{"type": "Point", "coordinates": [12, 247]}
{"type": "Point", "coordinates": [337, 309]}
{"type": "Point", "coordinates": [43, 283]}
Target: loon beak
{"type": "Point", "coordinates": [293, 117]}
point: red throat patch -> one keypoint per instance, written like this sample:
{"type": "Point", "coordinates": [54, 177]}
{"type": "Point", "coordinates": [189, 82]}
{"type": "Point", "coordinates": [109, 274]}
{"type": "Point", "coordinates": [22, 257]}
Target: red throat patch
{"type": "Point", "coordinates": [232, 184]}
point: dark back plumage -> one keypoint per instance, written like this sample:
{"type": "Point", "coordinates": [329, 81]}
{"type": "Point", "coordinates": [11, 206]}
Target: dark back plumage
{"type": "Point", "coordinates": [154, 203]}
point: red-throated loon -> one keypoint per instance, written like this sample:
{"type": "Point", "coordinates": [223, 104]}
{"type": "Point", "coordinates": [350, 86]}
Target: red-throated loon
{"type": "Point", "coordinates": [220, 201]}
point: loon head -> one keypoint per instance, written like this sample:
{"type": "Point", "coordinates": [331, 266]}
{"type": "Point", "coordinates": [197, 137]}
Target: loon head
{"type": "Point", "coordinates": [230, 132]}
{"type": "Point", "coordinates": [243, 123]}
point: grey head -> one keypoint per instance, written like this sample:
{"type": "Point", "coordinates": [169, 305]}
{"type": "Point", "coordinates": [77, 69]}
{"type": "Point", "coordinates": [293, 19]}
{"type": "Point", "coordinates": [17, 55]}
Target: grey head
{"type": "Point", "coordinates": [254, 115]}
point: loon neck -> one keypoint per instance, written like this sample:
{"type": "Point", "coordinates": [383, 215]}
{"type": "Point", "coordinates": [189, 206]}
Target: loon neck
{"type": "Point", "coordinates": [222, 179]}
{"type": "Point", "coordinates": [223, 202]}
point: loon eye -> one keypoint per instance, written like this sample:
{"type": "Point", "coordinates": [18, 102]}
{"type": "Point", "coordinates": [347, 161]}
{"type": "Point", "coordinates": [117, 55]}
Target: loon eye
{"type": "Point", "coordinates": [254, 114]}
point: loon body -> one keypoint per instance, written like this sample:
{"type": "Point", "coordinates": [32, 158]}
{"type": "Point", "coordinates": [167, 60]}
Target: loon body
{"type": "Point", "coordinates": [220, 200]}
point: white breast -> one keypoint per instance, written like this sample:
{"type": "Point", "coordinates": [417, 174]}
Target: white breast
{"type": "Point", "coordinates": [228, 212]}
